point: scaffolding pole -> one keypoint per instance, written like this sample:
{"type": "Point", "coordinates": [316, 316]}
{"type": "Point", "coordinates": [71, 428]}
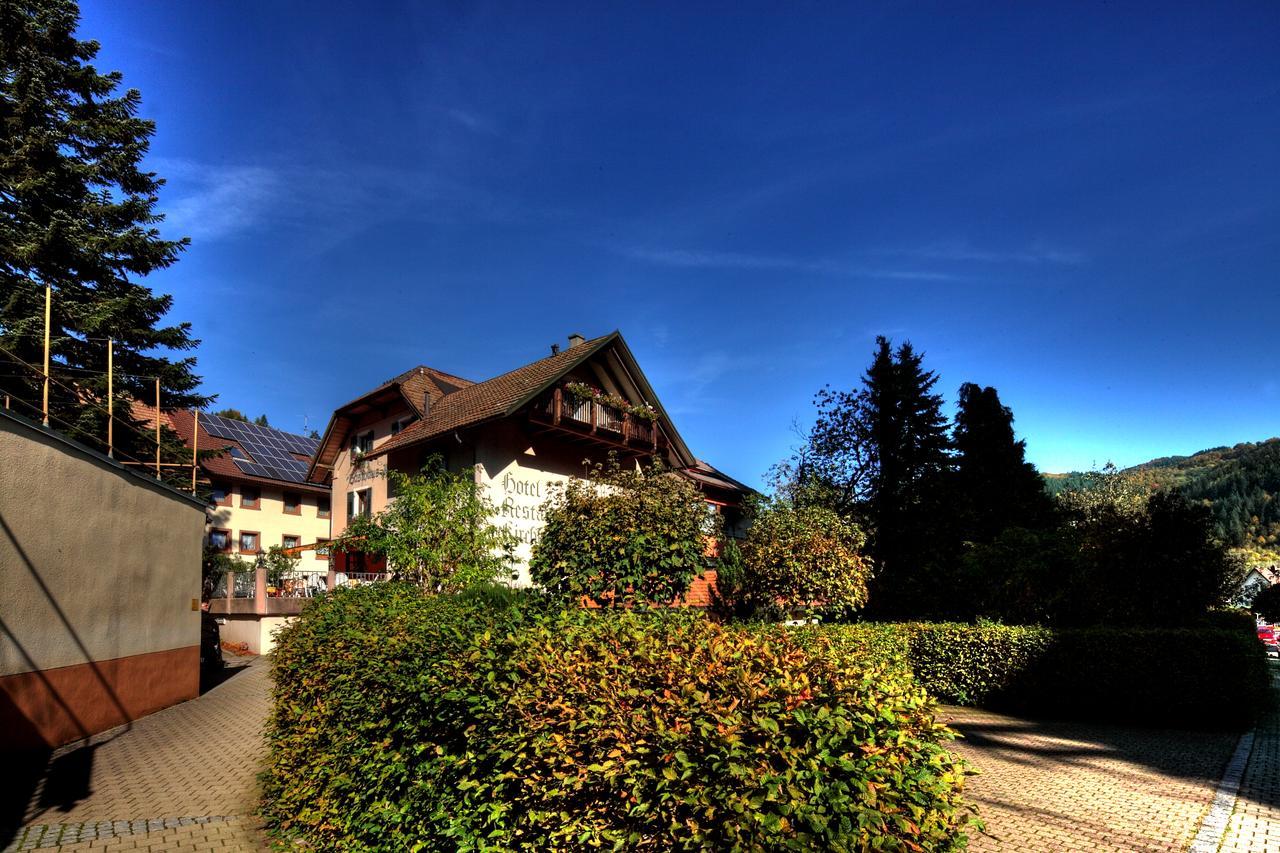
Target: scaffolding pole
{"type": "Point", "coordinates": [195, 450]}
{"type": "Point", "coordinates": [157, 427]}
{"type": "Point", "coordinates": [111, 402]}
{"type": "Point", "coordinates": [48, 303]}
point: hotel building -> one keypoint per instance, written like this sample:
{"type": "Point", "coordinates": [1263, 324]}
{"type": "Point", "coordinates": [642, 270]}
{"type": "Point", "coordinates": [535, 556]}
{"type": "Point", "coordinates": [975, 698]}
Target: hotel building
{"type": "Point", "coordinates": [519, 432]}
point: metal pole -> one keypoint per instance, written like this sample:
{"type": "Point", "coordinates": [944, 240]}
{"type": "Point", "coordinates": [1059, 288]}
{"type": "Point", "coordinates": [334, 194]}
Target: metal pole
{"type": "Point", "coordinates": [48, 303]}
{"type": "Point", "coordinates": [195, 450]}
{"type": "Point", "coordinates": [111, 401]}
{"type": "Point", "coordinates": [157, 427]}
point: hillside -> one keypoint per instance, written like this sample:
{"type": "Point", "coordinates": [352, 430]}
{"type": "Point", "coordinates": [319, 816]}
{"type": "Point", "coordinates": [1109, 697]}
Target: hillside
{"type": "Point", "coordinates": [1240, 484]}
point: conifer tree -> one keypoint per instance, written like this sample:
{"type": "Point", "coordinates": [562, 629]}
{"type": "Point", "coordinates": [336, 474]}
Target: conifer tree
{"type": "Point", "coordinates": [909, 436]}
{"type": "Point", "coordinates": [77, 213]}
{"type": "Point", "coordinates": [996, 487]}
{"type": "Point", "coordinates": [878, 454]}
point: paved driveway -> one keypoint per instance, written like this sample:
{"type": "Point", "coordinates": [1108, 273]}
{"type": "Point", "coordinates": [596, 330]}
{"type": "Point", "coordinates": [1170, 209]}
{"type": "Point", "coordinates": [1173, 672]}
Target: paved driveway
{"type": "Point", "coordinates": [181, 779]}
{"type": "Point", "coordinates": [1047, 786]}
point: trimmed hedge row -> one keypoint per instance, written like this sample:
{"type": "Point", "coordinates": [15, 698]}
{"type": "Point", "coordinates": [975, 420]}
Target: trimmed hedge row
{"type": "Point", "coordinates": [1186, 676]}
{"type": "Point", "coordinates": [403, 722]}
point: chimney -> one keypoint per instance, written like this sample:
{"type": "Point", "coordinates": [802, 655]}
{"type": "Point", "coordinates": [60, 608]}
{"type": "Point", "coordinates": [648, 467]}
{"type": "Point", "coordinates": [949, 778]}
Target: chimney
{"type": "Point", "coordinates": [426, 403]}
{"type": "Point", "coordinates": [576, 340]}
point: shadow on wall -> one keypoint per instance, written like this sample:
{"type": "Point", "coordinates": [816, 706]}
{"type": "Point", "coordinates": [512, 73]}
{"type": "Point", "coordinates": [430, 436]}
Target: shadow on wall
{"type": "Point", "coordinates": [67, 778]}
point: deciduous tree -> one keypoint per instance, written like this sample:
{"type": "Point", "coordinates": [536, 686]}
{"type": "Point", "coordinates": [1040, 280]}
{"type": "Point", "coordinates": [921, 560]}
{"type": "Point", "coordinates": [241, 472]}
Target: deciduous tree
{"type": "Point", "coordinates": [438, 532]}
{"type": "Point", "coordinates": [622, 537]}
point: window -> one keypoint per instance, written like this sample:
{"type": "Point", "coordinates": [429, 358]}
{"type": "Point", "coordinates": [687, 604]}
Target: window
{"type": "Point", "coordinates": [362, 442]}
{"type": "Point", "coordinates": [400, 423]}
{"type": "Point", "coordinates": [236, 453]}
{"type": "Point", "coordinates": [220, 539]}
{"type": "Point", "coordinates": [359, 502]}
{"type": "Point", "coordinates": [221, 495]}
{"type": "Point", "coordinates": [290, 540]}
{"type": "Point", "coordinates": [248, 541]}
{"type": "Point", "coordinates": [322, 549]}
{"type": "Point", "coordinates": [711, 521]}
{"type": "Point", "coordinates": [322, 507]}
{"type": "Point", "coordinates": [250, 497]}
{"type": "Point", "coordinates": [292, 503]}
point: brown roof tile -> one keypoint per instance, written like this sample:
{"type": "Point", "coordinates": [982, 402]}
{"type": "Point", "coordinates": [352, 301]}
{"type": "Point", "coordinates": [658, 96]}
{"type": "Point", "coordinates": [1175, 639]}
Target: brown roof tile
{"type": "Point", "coordinates": [494, 397]}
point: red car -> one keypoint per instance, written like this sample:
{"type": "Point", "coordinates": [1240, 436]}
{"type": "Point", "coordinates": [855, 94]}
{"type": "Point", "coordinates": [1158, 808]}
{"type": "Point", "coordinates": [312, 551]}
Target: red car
{"type": "Point", "coordinates": [1267, 634]}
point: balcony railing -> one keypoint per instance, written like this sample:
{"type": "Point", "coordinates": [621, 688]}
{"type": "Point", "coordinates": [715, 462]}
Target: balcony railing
{"type": "Point", "coordinates": [561, 409]}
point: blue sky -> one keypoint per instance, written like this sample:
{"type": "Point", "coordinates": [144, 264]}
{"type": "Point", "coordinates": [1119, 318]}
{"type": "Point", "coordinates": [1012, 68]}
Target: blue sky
{"type": "Point", "coordinates": [1078, 204]}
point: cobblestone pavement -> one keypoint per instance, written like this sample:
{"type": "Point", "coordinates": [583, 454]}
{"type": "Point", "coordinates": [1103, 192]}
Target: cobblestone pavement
{"type": "Point", "coordinates": [1053, 786]}
{"type": "Point", "coordinates": [1255, 823]}
{"type": "Point", "coordinates": [181, 779]}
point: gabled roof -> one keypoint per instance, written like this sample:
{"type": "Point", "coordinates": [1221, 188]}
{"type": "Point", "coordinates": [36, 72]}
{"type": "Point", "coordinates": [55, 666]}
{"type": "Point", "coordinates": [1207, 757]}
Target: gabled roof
{"type": "Point", "coordinates": [1269, 573]}
{"type": "Point", "coordinates": [414, 385]}
{"type": "Point", "coordinates": [414, 388]}
{"type": "Point", "coordinates": [502, 396]}
{"type": "Point", "coordinates": [706, 474]}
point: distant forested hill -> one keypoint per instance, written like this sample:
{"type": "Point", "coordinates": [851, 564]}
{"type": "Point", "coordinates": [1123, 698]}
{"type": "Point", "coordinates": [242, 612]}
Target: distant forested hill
{"type": "Point", "coordinates": [1240, 483]}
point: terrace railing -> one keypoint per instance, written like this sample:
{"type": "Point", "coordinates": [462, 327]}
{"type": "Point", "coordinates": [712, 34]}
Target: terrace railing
{"type": "Point", "coordinates": [252, 592]}
{"type": "Point", "coordinates": [300, 584]}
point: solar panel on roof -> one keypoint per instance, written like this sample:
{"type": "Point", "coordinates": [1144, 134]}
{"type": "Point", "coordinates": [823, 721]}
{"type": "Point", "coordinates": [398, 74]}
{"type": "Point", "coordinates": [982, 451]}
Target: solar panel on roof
{"type": "Point", "coordinates": [270, 448]}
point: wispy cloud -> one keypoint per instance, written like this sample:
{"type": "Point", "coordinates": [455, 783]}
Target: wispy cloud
{"type": "Point", "coordinates": [211, 201]}
{"type": "Point", "coordinates": [702, 259]}
{"type": "Point", "coordinates": [216, 201]}
{"type": "Point", "coordinates": [699, 373]}
{"type": "Point", "coordinates": [1036, 253]}
{"type": "Point", "coordinates": [474, 122]}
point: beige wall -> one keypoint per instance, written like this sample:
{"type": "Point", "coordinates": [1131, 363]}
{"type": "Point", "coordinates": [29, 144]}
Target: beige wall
{"type": "Point", "coordinates": [270, 521]}
{"type": "Point", "coordinates": [95, 562]}
{"type": "Point", "coordinates": [258, 633]}
{"type": "Point", "coordinates": [99, 568]}
{"type": "Point", "coordinates": [366, 475]}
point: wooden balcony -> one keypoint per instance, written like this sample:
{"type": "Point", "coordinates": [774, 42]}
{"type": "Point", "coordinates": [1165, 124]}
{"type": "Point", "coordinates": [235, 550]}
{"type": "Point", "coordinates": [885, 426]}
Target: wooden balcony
{"type": "Point", "coordinates": [594, 421]}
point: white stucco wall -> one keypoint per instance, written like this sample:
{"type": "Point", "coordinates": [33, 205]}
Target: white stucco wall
{"type": "Point", "coordinates": [518, 472]}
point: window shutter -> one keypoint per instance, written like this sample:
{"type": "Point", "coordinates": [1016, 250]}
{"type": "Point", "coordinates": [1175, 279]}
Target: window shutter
{"type": "Point", "coordinates": [351, 506]}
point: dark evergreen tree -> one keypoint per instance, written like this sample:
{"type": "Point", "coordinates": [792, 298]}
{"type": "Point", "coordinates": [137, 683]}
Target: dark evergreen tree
{"type": "Point", "coordinates": [879, 454]}
{"type": "Point", "coordinates": [995, 486]}
{"type": "Point", "coordinates": [77, 212]}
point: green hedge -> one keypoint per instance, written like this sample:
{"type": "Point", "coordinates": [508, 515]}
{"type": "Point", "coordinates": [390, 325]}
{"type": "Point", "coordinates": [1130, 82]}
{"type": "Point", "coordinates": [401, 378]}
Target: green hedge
{"type": "Point", "coordinates": [1189, 676]}
{"type": "Point", "coordinates": [408, 723]}
{"type": "Point", "coordinates": [1212, 676]}
{"type": "Point", "coordinates": [974, 664]}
